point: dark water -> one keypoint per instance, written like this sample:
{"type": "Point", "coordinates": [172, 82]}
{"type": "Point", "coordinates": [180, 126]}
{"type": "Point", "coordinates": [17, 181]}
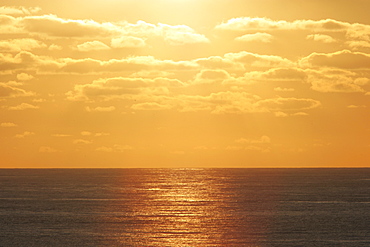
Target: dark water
{"type": "Point", "coordinates": [189, 207]}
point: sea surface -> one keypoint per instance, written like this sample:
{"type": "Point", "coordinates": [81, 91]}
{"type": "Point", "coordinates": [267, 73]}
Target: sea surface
{"type": "Point", "coordinates": [184, 207]}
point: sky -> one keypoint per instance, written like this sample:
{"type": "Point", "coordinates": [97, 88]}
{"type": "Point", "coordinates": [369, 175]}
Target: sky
{"type": "Point", "coordinates": [184, 83]}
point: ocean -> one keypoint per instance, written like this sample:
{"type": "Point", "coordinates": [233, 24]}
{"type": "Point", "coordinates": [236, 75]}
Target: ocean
{"type": "Point", "coordinates": [185, 207]}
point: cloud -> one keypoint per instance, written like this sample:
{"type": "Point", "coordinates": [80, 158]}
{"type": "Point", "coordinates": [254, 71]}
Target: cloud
{"type": "Point", "coordinates": [173, 35]}
{"type": "Point", "coordinates": [25, 60]}
{"type": "Point", "coordinates": [211, 76]}
{"type": "Point", "coordinates": [281, 114]}
{"type": "Point", "coordinates": [279, 89]}
{"type": "Point", "coordinates": [18, 11]}
{"type": "Point", "coordinates": [28, 61]}
{"type": "Point", "coordinates": [9, 25]}
{"type": "Point", "coordinates": [17, 45]}
{"type": "Point", "coordinates": [261, 144]}
{"type": "Point", "coordinates": [122, 87]}
{"type": "Point", "coordinates": [183, 38]}
{"type": "Point", "coordinates": [23, 106]}
{"type": "Point", "coordinates": [287, 104]}
{"type": "Point", "coordinates": [299, 114]}
{"type": "Point", "coordinates": [118, 65]}
{"type": "Point", "coordinates": [284, 114]}
{"type": "Point", "coordinates": [54, 26]}
{"type": "Point", "coordinates": [150, 106]}
{"type": "Point", "coordinates": [6, 125]}
{"type": "Point", "coordinates": [263, 139]}
{"type": "Point", "coordinates": [251, 24]}
{"type": "Point", "coordinates": [92, 46]}
{"type": "Point", "coordinates": [341, 59]}
{"type": "Point", "coordinates": [151, 74]}
{"type": "Point", "coordinates": [115, 148]}
{"type": "Point", "coordinates": [358, 44]}
{"type": "Point", "coordinates": [101, 134]}
{"type": "Point", "coordinates": [122, 34]}
{"type": "Point", "coordinates": [81, 141]}
{"type": "Point", "coordinates": [249, 59]}
{"type": "Point", "coordinates": [9, 91]}
{"type": "Point", "coordinates": [86, 133]}
{"type": "Point", "coordinates": [358, 32]}
{"type": "Point", "coordinates": [24, 134]}
{"type": "Point", "coordinates": [101, 109]}
{"type": "Point", "coordinates": [218, 62]}
{"type": "Point", "coordinates": [260, 37]}
{"type": "Point", "coordinates": [321, 38]}
{"type": "Point", "coordinates": [338, 81]}
{"type": "Point", "coordinates": [276, 74]}
{"type": "Point", "coordinates": [356, 106]}
{"type": "Point", "coordinates": [128, 42]}
{"type": "Point", "coordinates": [241, 102]}
{"type": "Point", "coordinates": [224, 102]}
{"type": "Point", "coordinates": [24, 77]}
{"type": "Point", "coordinates": [54, 47]}
{"type": "Point", "coordinates": [61, 135]}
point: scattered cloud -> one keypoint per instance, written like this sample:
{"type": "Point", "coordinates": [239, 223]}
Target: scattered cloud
{"type": "Point", "coordinates": [299, 114]}
{"type": "Point", "coordinates": [18, 10]}
{"type": "Point", "coordinates": [150, 106]}
{"type": "Point", "coordinates": [54, 47]}
{"type": "Point", "coordinates": [122, 87]}
{"type": "Point", "coordinates": [261, 144]}
{"type": "Point", "coordinates": [324, 81]}
{"type": "Point", "coordinates": [61, 135]}
{"type": "Point", "coordinates": [17, 45]}
{"type": "Point", "coordinates": [284, 114]}
{"type": "Point", "coordinates": [6, 125]}
{"type": "Point", "coordinates": [321, 38]}
{"type": "Point", "coordinates": [288, 104]}
{"type": "Point", "coordinates": [23, 106]}
{"type": "Point", "coordinates": [249, 59]}
{"type": "Point", "coordinates": [92, 46]}
{"type": "Point", "coordinates": [344, 59]}
{"type": "Point", "coordinates": [128, 42]}
{"type": "Point", "coordinates": [356, 106]}
{"type": "Point", "coordinates": [115, 148]}
{"type": "Point", "coordinates": [208, 76]}
{"type": "Point", "coordinates": [183, 38]}
{"type": "Point", "coordinates": [24, 134]}
{"type": "Point", "coordinates": [101, 109]}
{"type": "Point", "coordinates": [7, 90]}
{"type": "Point", "coordinates": [53, 26]}
{"type": "Point", "coordinates": [102, 134]}
{"type": "Point", "coordinates": [279, 89]}
{"type": "Point", "coordinates": [81, 141]}
{"type": "Point", "coordinates": [265, 24]}
{"type": "Point", "coordinates": [281, 114]}
{"type": "Point", "coordinates": [259, 37]}
{"type": "Point", "coordinates": [24, 77]}
{"type": "Point", "coordinates": [262, 139]}
{"type": "Point", "coordinates": [86, 133]}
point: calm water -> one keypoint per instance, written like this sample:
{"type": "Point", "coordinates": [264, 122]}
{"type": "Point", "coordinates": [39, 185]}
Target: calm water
{"type": "Point", "coordinates": [185, 207]}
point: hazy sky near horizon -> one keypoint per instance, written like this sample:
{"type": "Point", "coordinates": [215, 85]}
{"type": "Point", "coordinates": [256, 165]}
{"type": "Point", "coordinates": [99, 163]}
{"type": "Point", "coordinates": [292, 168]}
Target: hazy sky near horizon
{"type": "Point", "coordinates": [184, 83]}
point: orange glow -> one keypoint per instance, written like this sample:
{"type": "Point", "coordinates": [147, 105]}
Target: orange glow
{"type": "Point", "coordinates": [184, 84]}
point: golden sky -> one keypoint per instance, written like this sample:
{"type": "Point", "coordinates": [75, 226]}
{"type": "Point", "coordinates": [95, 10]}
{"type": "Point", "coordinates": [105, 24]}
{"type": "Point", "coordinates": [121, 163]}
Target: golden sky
{"type": "Point", "coordinates": [184, 83]}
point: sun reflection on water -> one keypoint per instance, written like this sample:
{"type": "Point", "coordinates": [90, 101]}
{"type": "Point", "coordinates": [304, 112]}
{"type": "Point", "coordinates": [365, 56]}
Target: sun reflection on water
{"type": "Point", "coordinates": [188, 208]}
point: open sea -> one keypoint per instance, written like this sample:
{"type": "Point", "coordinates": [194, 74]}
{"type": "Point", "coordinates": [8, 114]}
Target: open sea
{"type": "Point", "coordinates": [184, 207]}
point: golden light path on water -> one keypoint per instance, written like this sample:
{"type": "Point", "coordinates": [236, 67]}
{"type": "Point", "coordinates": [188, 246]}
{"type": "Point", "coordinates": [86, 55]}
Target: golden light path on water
{"type": "Point", "coordinates": [189, 207]}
